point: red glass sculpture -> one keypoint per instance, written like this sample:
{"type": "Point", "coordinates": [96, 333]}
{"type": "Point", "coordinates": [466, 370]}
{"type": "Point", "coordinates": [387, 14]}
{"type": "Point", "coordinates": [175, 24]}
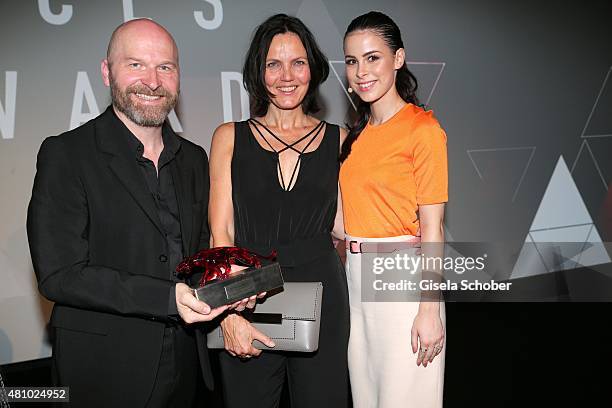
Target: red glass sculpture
{"type": "Point", "coordinates": [217, 262]}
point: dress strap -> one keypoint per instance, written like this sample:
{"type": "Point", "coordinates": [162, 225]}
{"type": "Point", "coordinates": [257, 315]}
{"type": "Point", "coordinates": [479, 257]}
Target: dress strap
{"type": "Point", "coordinates": [316, 129]}
{"type": "Point", "coordinates": [314, 132]}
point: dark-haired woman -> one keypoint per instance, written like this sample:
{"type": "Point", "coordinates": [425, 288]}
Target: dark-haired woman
{"type": "Point", "coordinates": [274, 185]}
{"type": "Point", "coordinates": [394, 183]}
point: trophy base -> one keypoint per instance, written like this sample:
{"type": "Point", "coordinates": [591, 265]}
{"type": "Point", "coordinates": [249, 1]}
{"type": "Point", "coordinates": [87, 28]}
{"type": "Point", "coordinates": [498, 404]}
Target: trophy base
{"type": "Point", "coordinates": [240, 285]}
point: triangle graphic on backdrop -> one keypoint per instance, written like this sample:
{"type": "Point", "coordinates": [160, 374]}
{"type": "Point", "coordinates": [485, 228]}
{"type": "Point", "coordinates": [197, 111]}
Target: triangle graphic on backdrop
{"type": "Point", "coordinates": [496, 164]}
{"type": "Point", "coordinates": [562, 235]}
{"type": "Point", "coordinates": [315, 15]}
{"type": "Point", "coordinates": [562, 204]}
{"type": "Point", "coordinates": [600, 149]}
{"type": "Point", "coordinates": [529, 262]}
{"type": "Point", "coordinates": [593, 252]}
{"type": "Point", "coordinates": [333, 93]}
{"type": "Point", "coordinates": [428, 75]}
{"type": "Point", "coordinates": [599, 122]}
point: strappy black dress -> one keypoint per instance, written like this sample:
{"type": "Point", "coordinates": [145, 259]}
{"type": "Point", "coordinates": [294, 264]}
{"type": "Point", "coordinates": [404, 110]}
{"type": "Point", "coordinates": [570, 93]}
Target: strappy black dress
{"type": "Point", "coordinates": [297, 223]}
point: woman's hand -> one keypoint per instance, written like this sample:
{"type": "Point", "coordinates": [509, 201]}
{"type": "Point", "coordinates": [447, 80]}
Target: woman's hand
{"type": "Point", "coordinates": [246, 303]}
{"type": "Point", "coordinates": [427, 328]}
{"type": "Point", "coordinates": [427, 335]}
{"type": "Point", "coordinates": [238, 335]}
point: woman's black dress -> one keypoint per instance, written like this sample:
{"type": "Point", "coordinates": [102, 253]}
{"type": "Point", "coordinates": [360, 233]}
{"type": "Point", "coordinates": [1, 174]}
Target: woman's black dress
{"type": "Point", "coordinates": [297, 223]}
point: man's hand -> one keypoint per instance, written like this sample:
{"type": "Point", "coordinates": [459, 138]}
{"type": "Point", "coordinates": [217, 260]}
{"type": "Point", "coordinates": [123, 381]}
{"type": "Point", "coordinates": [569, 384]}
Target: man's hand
{"type": "Point", "coordinates": [193, 310]}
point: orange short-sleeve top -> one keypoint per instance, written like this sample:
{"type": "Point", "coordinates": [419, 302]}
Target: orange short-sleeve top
{"type": "Point", "coordinates": [392, 169]}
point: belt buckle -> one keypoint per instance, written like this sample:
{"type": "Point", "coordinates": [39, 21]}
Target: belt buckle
{"type": "Point", "coordinates": [351, 247]}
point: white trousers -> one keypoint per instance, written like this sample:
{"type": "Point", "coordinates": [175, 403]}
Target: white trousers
{"type": "Point", "coordinates": [382, 367]}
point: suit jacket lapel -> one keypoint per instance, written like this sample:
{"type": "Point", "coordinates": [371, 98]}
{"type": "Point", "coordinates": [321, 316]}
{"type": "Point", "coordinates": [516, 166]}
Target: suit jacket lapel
{"type": "Point", "coordinates": [129, 174]}
{"type": "Point", "coordinates": [123, 164]}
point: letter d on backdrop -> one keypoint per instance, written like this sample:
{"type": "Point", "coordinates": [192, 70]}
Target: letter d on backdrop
{"type": "Point", "coordinates": [226, 89]}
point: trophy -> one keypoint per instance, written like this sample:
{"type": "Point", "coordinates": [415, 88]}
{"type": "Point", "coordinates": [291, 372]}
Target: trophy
{"type": "Point", "coordinates": [218, 286]}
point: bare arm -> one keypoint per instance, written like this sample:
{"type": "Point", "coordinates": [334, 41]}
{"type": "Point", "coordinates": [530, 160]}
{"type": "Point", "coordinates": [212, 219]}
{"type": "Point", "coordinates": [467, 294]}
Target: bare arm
{"type": "Point", "coordinates": [220, 207]}
{"type": "Point", "coordinates": [427, 328]}
{"type": "Point", "coordinates": [238, 333]}
{"type": "Point", "coordinates": [431, 217]}
{"type": "Point", "coordinates": [338, 230]}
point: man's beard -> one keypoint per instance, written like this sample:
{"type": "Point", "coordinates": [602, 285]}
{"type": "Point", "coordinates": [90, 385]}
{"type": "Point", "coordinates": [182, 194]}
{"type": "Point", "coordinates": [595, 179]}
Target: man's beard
{"type": "Point", "coordinates": [142, 115]}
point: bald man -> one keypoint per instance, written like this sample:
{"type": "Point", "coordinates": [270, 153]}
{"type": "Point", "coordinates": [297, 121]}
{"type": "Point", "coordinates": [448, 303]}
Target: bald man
{"type": "Point", "coordinates": [116, 204]}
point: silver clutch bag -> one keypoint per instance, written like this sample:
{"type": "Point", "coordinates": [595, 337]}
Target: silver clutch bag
{"type": "Point", "coordinates": [292, 318]}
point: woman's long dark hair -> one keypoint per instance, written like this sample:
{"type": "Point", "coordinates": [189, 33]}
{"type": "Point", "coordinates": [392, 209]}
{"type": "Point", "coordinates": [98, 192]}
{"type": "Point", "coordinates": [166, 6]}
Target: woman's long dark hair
{"type": "Point", "coordinates": [254, 68]}
{"type": "Point", "coordinates": [405, 82]}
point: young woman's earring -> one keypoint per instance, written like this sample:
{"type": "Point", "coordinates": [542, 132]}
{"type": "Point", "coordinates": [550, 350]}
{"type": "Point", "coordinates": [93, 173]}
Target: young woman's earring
{"type": "Point", "coordinates": [350, 90]}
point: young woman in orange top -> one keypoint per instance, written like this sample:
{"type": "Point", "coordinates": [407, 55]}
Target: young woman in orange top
{"type": "Point", "coordinates": [394, 186]}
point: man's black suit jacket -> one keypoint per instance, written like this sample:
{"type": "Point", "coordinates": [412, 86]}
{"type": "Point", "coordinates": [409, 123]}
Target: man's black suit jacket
{"type": "Point", "coordinates": [98, 251]}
